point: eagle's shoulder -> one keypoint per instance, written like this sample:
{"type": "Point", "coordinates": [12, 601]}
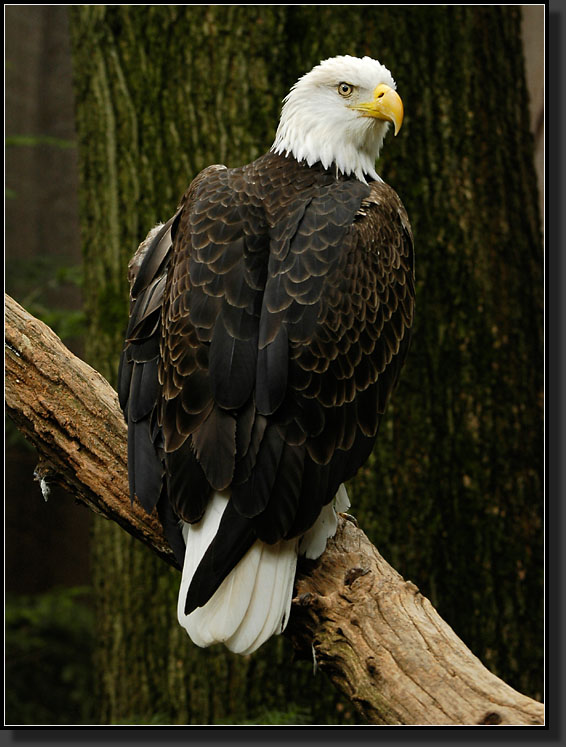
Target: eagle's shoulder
{"type": "Point", "coordinates": [383, 207]}
{"type": "Point", "coordinates": [206, 177]}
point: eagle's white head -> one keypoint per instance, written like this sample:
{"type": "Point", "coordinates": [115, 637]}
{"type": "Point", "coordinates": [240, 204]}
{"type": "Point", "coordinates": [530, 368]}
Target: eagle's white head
{"type": "Point", "coordinates": [339, 114]}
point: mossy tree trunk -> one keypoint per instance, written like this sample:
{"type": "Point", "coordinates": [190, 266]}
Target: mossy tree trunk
{"type": "Point", "coordinates": [452, 496]}
{"type": "Point", "coordinates": [457, 481]}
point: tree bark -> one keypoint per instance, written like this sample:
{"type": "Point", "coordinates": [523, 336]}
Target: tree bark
{"type": "Point", "coordinates": [453, 491]}
{"type": "Point", "coordinates": [379, 639]}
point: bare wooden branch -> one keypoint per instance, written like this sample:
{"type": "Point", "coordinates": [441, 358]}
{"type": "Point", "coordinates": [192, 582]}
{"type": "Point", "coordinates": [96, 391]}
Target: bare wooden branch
{"type": "Point", "coordinates": [71, 414]}
{"type": "Point", "coordinates": [378, 638]}
{"type": "Point", "coordinates": [385, 646]}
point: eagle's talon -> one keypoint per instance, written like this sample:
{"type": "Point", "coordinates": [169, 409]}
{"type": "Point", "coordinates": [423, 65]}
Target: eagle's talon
{"type": "Point", "coordinates": [351, 518]}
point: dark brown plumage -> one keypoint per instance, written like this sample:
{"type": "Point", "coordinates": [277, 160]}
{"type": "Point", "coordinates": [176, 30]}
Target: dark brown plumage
{"type": "Point", "coordinates": [270, 318]}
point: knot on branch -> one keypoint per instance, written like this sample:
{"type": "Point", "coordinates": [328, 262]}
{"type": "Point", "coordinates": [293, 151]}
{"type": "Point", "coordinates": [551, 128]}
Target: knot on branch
{"type": "Point", "coordinates": [312, 601]}
{"type": "Point", "coordinates": [491, 719]}
{"type": "Point", "coordinates": [354, 573]}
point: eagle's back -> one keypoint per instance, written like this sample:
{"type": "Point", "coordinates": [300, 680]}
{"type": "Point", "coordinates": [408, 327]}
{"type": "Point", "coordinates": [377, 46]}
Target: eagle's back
{"type": "Point", "coordinates": [271, 317]}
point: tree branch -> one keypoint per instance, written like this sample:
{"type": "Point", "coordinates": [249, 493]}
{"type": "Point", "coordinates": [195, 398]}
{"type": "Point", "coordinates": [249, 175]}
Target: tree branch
{"type": "Point", "coordinates": [72, 416]}
{"type": "Point", "coordinates": [380, 641]}
{"type": "Point", "coordinates": [384, 645]}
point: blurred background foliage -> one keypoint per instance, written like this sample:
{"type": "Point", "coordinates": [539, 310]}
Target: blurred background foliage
{"type": "Point", "coordinates": [48, 667]}
{"type": "Point", "coordinates": [460, 515]}
{"type": "Point", "coordinates": [49, 642]}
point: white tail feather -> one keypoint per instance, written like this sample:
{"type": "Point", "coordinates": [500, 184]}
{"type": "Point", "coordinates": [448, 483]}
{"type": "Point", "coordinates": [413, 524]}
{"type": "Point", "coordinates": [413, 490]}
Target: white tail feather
{"type": "Point", "coordinates": [254, 600]}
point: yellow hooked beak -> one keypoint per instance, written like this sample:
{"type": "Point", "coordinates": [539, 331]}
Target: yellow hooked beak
{"type": "Point", "coordinates": [386, 104]}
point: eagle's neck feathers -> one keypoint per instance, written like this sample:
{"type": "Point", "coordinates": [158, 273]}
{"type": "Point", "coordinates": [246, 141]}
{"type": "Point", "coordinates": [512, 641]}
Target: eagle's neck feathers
{"type": "Point", "coordinates": [317, 126]}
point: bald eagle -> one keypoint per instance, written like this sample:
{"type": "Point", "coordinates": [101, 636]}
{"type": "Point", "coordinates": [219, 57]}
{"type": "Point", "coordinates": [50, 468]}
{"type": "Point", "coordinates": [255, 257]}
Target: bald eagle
{"type": "Point", "coordinates": [269, 320]}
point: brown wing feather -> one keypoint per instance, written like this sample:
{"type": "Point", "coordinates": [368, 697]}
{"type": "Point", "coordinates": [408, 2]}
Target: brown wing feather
{"type": "Point", "coordinates": [344, 366]}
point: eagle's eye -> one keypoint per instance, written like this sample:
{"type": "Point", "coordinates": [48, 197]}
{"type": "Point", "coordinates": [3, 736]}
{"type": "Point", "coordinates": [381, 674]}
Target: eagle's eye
{"type": "Point", "coordinates": [345, 89]}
